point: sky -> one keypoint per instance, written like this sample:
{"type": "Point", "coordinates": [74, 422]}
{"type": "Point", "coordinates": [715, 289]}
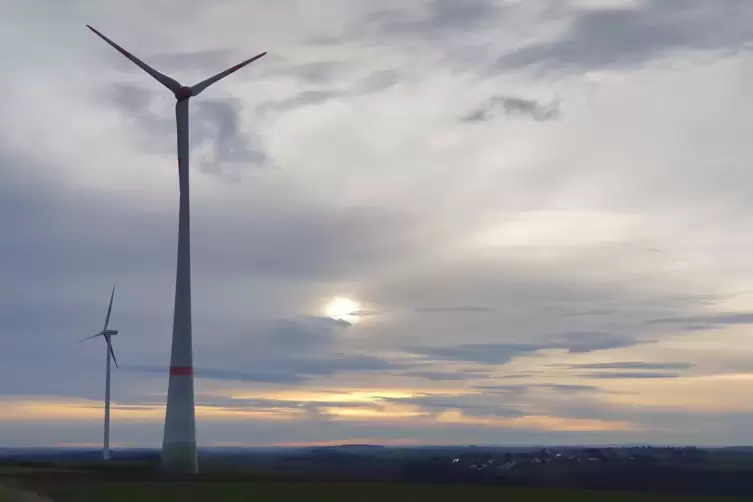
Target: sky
{"type": "Point", "coordinates": [429, 222]}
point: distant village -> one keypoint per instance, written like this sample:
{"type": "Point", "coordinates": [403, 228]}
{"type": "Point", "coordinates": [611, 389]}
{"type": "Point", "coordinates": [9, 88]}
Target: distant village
{"type": "Point", "coordinates": [487, 460]}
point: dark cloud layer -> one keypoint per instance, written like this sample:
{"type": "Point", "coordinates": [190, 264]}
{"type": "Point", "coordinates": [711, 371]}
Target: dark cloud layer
{"type": "Point", "coordinates": [287, 351]}
{"type": "Point", "coordinates": [511, 107]}
{"type": "Point", "coordinates": [581, 342]}
{"type": "Point", "coordinates": [229, 375]}
{"type": "Point", "coordinates": [373, 82]}
{"type": "Point", "coordinates": [618, 37]}
{"type": "Point", "coordinates": [695, 323]}
{"type": "Point", "coordinates": [439, 310]}
{"type": "Point", "coordinates": [295, 369]}
{"type": "Point", "coordinates": [636, 375]}
{"type": "Point", "coordinates": [446, 376]}
{"type": "Point", "coordinates": [438, 19]}
{"type": "Point", "coordinates": [631, 365]}
{"type": "Point", "coordinates": [502, 353]}
{"type": "Point", "coordinates": [524, 388]}
{"type": "Point", "coordinates": [219, 143]}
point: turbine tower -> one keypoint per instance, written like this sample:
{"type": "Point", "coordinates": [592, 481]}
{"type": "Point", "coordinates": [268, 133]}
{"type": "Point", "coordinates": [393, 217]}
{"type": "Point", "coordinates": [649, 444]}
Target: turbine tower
{"type": "Point", "coordinates": [107, 334]}
{"type": "Point", "coordinates": [179, 442]}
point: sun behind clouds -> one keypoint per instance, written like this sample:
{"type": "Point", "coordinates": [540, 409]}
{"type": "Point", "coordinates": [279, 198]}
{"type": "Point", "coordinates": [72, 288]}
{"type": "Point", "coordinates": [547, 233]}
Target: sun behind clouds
{"type": "Point", "coordinates": [343, 309]}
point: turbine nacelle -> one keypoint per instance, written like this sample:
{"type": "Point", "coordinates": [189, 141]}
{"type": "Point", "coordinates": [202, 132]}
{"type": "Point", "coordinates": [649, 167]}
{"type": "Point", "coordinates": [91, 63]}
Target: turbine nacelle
{"type": "Point", "coordinates": [183, 92]}
{"type": "Point", "coordinates": [107, 333]}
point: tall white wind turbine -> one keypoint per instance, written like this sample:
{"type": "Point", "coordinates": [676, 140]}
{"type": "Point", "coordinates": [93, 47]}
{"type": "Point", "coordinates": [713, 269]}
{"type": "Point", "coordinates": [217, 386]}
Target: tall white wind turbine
{"type": "Point", "coordinates": [179, 443]}
{"type": "Point", "coordinates": [107, 334]}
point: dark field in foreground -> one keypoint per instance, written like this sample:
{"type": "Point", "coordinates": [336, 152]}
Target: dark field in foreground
{"type": "Point", "coordinates": [389, 475]}
{"type": "Point", "coordinates": [335, 492]}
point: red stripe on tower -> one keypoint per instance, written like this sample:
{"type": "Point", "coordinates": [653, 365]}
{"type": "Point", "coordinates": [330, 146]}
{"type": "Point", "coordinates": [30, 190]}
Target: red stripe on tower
{"type": "Point", "coordinates": [181, 371]}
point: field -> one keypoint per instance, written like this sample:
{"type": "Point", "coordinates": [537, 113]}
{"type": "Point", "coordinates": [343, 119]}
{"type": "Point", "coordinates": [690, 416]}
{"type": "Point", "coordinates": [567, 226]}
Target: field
{"type": "Point", "coordinates": [321, 492]}
{"type": "Point", "coordinates": [83, 484]}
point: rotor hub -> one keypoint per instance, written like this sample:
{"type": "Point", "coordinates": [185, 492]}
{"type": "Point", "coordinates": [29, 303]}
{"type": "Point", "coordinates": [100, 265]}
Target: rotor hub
{"type": "Point", "coordinates": [183, 93]}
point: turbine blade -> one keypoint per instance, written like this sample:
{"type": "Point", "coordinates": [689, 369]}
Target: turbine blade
{"type": "Point", "coordinates": [90, 337]}
{"type": "Point", "coordinates": [196, 89]}
{"type": "Point", "coordinates": [163, 79]}
{"type": "Point", "coordinates": [109, 309]}
{"type": "Point", "coordinates": [112, 352]}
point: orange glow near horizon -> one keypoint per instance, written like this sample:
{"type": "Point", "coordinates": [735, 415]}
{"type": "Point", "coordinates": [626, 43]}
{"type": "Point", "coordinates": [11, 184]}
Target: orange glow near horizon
{"type": "Point", "coordinates": [347, 395]}
{"type": "Point", "coordinates": [538, 422]}
{"type": "Point", "coordinates": [347, 441]}
{"type": "Point", "coordinates": [30, 410]}
{"type": "Point", "coordinates": [707, 393]}
{"type": "Point", "coordinates": [701, 393]}
{"type": "Point", "coordinates": [71, 410]}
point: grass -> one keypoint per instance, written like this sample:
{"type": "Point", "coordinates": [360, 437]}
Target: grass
{"type": "Point", "coordinates": [350, 492]}
{"type": "Point", "coordinates": [141, 483]}
{"type": "Point", "coordinates": [11, 494]}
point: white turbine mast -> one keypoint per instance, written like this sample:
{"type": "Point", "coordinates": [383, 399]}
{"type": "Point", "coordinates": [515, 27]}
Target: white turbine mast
{"type": "Point", "coordinates": [179, 442]}
{"type": "Point", "coordinates": [110, 354]}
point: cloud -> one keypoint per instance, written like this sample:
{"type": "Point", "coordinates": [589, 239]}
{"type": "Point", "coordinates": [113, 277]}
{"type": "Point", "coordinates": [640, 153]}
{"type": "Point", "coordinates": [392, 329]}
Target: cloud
{"type": "Point", "coordinates": [305, 98]}
{"type": "Point", "coordinates": [479, 353]}
{"type": "Point", "coordinates": [631, 365]}
{"type": "Point", "coordinates": [503, 353]}
{"type": "Point", "coordinates": [316, 72]}
{"type": "Point", "coordinates": [301, 335]}
{"type": "Point", "coordinates": [286, 351]}
{"type": "Point", "coordinates": [439, 310]}
{"type": "Point", "coordinates": [629, 375]}
{"type": "Point", "coordinates": [338, 244]}
{"type": "Point", "coordinates": [638, 33]}
{"type": "Point", "coordinates": [511, 107]}
{"type": "Point", "coordinates": [708, 321]}
{"type": "Point", "coordinates": [569, 388]}
{"type": "Point", "coordinates": [379, 80]}
{"type": "Point", "coordinates": [219, 143]}
{"type": "Point", "coordinates": [525, 388]}
{"type": "Point", "coordinates": [221, 140]}
{"type": "Point", "coordinates": [435, 19]}
{"type": "Point", "coordinates": [229, 375]}
{"type": "Point", "coordinates": [472, 405]}
{"type": "Point", "coordinates": [373, 82]}
{"type": "Point", "coordinates": [293, 370]}
{"type": "Point", "coordinates": [581, 342]}
{"type": "Point", "coordinates": [445, 376]}
{"type": "Point", "coordinates": [210, 62]}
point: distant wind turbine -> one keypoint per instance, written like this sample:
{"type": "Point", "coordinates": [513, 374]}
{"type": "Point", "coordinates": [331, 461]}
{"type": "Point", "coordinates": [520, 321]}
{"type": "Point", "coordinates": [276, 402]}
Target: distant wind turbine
{"type": "Point", "coordinates": [107, 334]}
{"type": "Point", "coordinates": [179, 443]}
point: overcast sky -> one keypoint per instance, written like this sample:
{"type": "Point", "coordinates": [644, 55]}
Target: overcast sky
{"type": "Point", "coordinates": [536, 215]}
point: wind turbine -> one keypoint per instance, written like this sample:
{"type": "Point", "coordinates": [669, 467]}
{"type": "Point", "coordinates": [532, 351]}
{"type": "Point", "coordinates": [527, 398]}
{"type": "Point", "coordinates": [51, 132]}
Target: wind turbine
{"type": "Point", "coordinates": [179, 442]}
{"type": "Point", "coordinates": [107, 334]}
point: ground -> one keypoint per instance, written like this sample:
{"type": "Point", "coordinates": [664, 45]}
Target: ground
{"type": "Point", "coordinates": [314, 492]}
{"type": "Point", "coordinates": [12, 494]}
{"type": "Point", "coordinates": [84, 485]}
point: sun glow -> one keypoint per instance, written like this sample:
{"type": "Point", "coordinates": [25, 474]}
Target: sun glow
{"type": "Point", "coordinates": [343, 309]}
